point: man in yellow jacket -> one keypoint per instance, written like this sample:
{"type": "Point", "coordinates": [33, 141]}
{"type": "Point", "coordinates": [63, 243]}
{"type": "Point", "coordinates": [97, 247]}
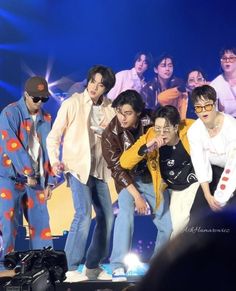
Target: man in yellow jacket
{"type": "Point", "coordinates": [166, 149]}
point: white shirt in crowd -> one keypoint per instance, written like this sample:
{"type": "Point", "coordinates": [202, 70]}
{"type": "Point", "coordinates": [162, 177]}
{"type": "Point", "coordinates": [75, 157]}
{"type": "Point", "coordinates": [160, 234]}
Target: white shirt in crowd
{"type": "Point", "coordinates": [126, 80]}
{"type": "Point", "coordinates": [226, 95]}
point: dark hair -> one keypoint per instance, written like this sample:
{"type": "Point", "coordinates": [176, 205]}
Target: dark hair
{"type": "Point", "coordinates": [199, 70]}
{"type": "Point", "coordinates": [206, 252]}
{"type": "Point", "coordinates": [108, 76]}
{"type": "Point", "coordinates": [131, 97]}
{"type": "Point", "coordinates": [146, 54]}
{"type": "Point", "coordinates": [227, 49]}
{"type": "Point", "coordinates": [169, 112]}
{"type": "Point", "coordinates": [162, 57]}
{"type": "Point", "coordinates": [204, 92]}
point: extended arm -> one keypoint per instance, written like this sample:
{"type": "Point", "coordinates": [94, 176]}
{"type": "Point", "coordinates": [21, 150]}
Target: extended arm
{"type": "Point", "coordinates": [201, 165]}
{"type": "Point", "coordinates": [112, 151]}
{"type": "Point", "coordinates": [54, 138]}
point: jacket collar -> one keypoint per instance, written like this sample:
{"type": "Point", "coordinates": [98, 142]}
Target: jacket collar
{"type": "Point", "coordinates": [24, 108]}
{"type": "Point", "coordinates": [116, 128]}
{"type": "Point", "coordinates": [135, 75]}
{"type": "Point", "coordinates": [25, 111]}
{"type": "Point", "coordinates": [87, 99]}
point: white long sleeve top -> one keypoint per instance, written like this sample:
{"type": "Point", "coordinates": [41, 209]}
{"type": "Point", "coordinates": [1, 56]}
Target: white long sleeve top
{"type": "Point", "coordinates": [219, 150]}
{"type": "Point", "coordinates": [226, 95]}
{"type": "Point", "coordinates": [125, 80]}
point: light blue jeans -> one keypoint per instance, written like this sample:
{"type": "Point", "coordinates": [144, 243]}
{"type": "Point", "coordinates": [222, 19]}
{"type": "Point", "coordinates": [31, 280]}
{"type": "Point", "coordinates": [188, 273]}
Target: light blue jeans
{"type": "Point", "coordinates": [95, 193]}
{"type": "Point", "coordinates": [124, 223]}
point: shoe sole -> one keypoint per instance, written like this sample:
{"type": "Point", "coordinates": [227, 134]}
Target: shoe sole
{"type": "Point", "coordinates": [119, 279]}
{"type": "Point", "coordinates": [103, 279]}
{"type": "Point", "coordinates": [75, 281]}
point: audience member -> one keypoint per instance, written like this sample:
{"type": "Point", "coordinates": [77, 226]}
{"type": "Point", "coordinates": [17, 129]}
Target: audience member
{"type": "Point", "coordinates": [131, 79]}
{"type": "Point", "coordinates": [163, 80]}
{"type": "Point", "coordinates": [195, 78]}
{"type": "Point", "coordinates": [225, 83]}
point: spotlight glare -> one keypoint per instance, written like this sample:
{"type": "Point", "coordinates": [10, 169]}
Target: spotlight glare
{"type": "Point", "coordinates": [132, 261]}
{"type": "Point", "coordinates": [135, 268]}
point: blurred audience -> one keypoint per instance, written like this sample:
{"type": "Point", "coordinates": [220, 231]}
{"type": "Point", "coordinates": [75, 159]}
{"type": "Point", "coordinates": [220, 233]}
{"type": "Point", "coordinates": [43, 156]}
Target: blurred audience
{"type": "Point", "coordinates": [195, 78]}
{"type": "Point", "coordinates": [225, 83]}
{"type": "Point", "coordinates": [131, 79]}
{"type": "Point", "coordinates": [163, 80]}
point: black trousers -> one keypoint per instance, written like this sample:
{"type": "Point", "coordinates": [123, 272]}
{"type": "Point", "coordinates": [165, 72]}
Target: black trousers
{"type": "Point", "coordinates": [200, 205]}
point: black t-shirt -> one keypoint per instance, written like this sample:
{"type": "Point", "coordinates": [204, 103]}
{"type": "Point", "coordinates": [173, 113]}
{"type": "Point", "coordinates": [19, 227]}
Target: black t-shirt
{"type": "Point", "coordinates": [176, 167]}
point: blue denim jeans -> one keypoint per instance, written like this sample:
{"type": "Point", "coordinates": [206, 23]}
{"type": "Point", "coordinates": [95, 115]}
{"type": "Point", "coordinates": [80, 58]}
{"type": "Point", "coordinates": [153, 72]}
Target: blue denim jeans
{"type": "Point", "coordinates": [36, 213]}
{"type": "Point", "coordinates": [124, 223]}
{"type": "Point", "coordinates": [95, 193]}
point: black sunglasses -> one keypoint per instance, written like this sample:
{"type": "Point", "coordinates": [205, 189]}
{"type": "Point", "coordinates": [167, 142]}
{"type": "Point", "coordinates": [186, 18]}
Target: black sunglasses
{"type": "Point", "coordinates": [37, 99]}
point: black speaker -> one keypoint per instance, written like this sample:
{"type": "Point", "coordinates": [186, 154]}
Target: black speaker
{"type": "Point", "coordinates": [37, 270]}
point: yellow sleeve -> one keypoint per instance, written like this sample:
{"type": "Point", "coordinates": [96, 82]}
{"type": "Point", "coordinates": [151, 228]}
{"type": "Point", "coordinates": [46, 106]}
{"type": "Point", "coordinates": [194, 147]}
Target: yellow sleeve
{"type": "Point", "coordinates": [130, 158]}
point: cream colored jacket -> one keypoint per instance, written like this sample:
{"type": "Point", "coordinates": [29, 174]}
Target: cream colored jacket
{"type": "Point", "coordinates": [71, 130]}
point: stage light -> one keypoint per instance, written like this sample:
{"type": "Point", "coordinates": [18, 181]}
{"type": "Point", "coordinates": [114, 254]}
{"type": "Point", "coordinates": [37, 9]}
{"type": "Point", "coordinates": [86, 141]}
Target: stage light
{"type": "Point", "coordinates": [9, 88]}
{"type": "Point", "coordinates": [134, 266]}
{"type": "Point", "coordinates": [131, 261]}
{"type": "Point", "coordinates": [60, 97]}
{"type": "Point", "coordinates": [11, 47]}
{"type": "Point", "coordinates": [12, 18]}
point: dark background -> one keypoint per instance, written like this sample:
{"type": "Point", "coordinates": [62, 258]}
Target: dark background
{"type": "Point", "coordinates": [67, 37]}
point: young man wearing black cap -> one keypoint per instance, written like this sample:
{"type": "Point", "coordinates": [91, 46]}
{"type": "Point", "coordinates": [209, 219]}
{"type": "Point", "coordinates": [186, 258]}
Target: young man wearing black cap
{"type": "Point", "coordinates": [25, 172]}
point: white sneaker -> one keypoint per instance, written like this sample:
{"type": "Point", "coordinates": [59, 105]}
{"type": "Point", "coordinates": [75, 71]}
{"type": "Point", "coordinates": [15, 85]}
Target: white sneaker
{"type": "Point", "coordinates": [75, 276]}
{"type": "Point", "coordinates": [119, 275]}
{"type": "Point", "coordinates": [97, 274]}
{"type": "Point", "coordinates": [104, 276]}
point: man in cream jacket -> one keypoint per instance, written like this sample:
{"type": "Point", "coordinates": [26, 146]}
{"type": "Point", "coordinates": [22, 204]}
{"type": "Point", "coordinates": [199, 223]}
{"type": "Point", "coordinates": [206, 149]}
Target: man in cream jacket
{"type": "Point", "coordinates": [78, 126]}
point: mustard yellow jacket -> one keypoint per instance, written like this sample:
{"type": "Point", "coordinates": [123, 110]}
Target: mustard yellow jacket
{"type": "Point", "coordinates": [130, 157]}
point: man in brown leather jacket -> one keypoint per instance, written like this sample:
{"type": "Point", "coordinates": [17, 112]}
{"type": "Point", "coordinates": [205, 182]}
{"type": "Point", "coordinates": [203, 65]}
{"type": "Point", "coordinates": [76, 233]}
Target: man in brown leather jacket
{"type": "Point", "coordinates": [134, 187]}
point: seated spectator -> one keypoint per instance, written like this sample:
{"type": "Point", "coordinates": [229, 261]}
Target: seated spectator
{"type": "Point", "coordinates": [225, 83]}
{"type": "Point", "coordinates": [168, 89]}
{"type": "Point", "coordinates": [131, 79]}
{"type": "Point", "coordinates": [195, 78]}
{"type": "Point", "coordinates": [163, 80]}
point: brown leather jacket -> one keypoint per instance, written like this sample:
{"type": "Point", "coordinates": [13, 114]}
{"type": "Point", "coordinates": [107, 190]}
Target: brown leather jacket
{"type": "Point", "coordinates": [115, 140]}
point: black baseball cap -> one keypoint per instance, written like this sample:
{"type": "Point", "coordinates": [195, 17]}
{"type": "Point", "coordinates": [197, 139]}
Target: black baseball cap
{"type": "Point", "coordinates": [37, 86]}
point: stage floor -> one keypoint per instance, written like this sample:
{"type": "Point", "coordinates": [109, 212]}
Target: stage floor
{"type": "Point", "coordinates": [85, 285]}
{"type": "Point", "coordinates": [134, 275]}
{"type": "Point", "coordinates": [95, 286]}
